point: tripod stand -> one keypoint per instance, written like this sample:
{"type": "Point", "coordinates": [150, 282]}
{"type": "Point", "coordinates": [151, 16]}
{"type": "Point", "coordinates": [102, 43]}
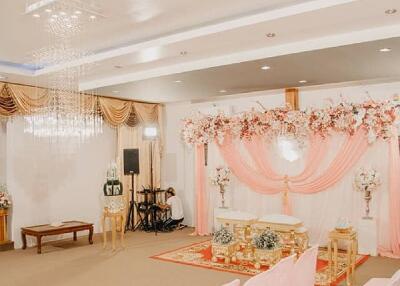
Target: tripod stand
{"type": "Point", "coordinates": [130, 222]}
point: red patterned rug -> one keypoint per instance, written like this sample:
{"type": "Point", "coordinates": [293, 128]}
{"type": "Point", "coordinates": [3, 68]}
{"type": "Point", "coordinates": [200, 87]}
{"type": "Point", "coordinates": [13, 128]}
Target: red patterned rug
{"type": "Point", "coordinates": [199, 255]}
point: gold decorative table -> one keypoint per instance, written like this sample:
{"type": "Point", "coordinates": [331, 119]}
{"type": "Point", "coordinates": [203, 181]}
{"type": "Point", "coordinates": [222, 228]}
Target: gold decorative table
{"type": "Point", "coordinates": [291, 230]}
{"type": "Point", "coordinates": [240, 223]}
{"type": "Point", "coordinates": [267, 257]}
{"type": "Point", "coordinates": [3, 226]}
{"type": "Point", "coordinates": [224, 251]}
{"type": "Point", "coordinates": [350, 237]}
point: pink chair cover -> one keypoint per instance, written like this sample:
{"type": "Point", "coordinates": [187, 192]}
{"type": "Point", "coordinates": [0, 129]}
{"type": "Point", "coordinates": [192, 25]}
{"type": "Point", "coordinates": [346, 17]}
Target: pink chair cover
{"type": "Point", "coordinates": [395, 280]}
{"type": "Point", "coordinates": [266, 278]}
{"type": "Point", "coordinates": [278, 275]}
{"type": "Point", "coordinates": [305, 268]}
{"type": "Point", "coordinates": [285, 267]}
{"type": "Point", "coordinates": [235, 282]}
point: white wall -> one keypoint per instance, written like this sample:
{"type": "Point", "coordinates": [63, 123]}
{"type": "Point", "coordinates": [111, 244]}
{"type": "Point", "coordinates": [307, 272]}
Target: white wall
{"type": "Point", "coordinates": [52, 182]}
{"type": "Point", "coordinates": [3, 152]}
{"type": "Point", "coordinates": [179, 159]}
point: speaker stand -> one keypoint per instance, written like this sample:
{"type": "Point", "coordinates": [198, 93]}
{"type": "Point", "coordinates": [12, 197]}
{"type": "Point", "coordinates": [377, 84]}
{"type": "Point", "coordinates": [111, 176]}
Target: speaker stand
{"type": "Point", "coordinates": [130, 222]}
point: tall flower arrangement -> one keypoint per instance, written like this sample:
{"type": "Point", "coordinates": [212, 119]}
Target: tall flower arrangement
{"type": "Point", "coordinates": [5, 199]}
{"type": "Point", "coordinates": [221, 179]}
{"type": "Point", "coordinates": [374, 117]}
{"type": "Point", "coordinates": [367, 181]}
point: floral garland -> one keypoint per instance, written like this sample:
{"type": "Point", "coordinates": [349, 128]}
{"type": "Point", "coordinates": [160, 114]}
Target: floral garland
{"type": "Point", "coordinates": [375, 117]}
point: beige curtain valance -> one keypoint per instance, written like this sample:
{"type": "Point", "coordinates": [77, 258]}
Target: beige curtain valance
{"type": "Point", "coordinates": [18, 99]}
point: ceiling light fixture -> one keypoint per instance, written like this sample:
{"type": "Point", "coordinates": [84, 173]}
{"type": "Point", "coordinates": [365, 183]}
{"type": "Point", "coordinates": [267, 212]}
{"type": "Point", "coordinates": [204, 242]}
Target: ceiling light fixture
{"type": "Point", "coordinates": [265, 68]}
{"type": "Point", "coordinates": [385, 50]}
{"type": "Point", "coordinates": [78, 12]}
{"type": "Point", "coordinates": [74, 17]}
{"type": "Point", "coordinates": [92, 17]}
{"type": "Point", "coordinates": [2, 76]}
{"type": "Point", "coordinates": [390, 11]}
{"type": "Point", "coordinates": [302, 81]}
{"type": "Point", "coordinates": [271, 35]}
{"type": "Point", "coordinates": [115, 91]}
{"type": "Point", "coordinates": [48, 10]}
{"type": "Point", "coordinates": [36, 15]}
{"type": "Point", "coordinates": [222, 91]}
{"type": "Point", "coordinates": [178, 81]}
{"type": "Point", "coordinates": [62, 13]}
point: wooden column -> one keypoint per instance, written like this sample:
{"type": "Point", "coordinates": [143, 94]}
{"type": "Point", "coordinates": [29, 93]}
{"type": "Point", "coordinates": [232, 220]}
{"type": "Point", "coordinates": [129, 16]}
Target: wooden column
{"type": "Point", "coordinates": [292, 98]}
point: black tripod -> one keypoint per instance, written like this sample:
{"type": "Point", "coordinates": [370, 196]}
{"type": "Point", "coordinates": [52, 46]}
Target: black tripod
{"type": "Point", "coordinates": [130, 222]}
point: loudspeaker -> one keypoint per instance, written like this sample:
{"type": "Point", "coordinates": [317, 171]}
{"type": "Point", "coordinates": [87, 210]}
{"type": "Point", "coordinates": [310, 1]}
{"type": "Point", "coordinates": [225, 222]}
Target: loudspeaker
{"type": "Point", "coordinates": [131, 161]}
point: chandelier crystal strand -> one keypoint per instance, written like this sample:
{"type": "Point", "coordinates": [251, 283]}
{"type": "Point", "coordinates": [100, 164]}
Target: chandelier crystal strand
{"type": "Point", "coordinates": [68, 114]}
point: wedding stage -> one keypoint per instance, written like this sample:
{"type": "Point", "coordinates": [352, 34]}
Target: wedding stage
{"type": "Point", "coordinates": [303, 163]}
{"type": "Point", "coordinates": [200, 255]}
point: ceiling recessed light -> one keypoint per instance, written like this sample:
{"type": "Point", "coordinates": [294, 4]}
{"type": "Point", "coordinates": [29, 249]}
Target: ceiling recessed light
{"type": "Point", "coordinates": [178, 81]}
{"type": "Point", "coordinates": [222, 91]}
{"type": "Point", "coordinates": [302, 81]}
{"type": "Point", "coordinates": [54, 16]}
{"type": "Point", "coordinates": [265, 67]}
{"type": "Point", "coordinates": [390, 11]}
{"type": "Point", "coordinates": [48, 10]}
{"type": "Point", "coordinates": [36, 15]}
{"type": "Point", "coordinates": [78, 12]}
{"type": "Point", "coordinates": [271, 35]}
{"type": "Point", "coordinates": [183, 53]}
{"type": "Point", "coordinates": [74, 16]}
{"type": "Point", "coordinates": [115, 91]}
{"type": "Point", "coordinates": [385, 50]}
{"type": "Point", "coordinates": [92, 17]}
{"type": "Point", "coordinates": [62, 13]}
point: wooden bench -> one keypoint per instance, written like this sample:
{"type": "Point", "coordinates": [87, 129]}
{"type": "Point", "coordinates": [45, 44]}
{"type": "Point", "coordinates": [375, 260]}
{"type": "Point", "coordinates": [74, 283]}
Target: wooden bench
{"type": "Point", "coordinates": [39, 231]}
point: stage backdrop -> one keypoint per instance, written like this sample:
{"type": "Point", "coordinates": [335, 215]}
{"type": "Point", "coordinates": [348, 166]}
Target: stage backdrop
{"type": "Point", "coordinates": [319, 211]}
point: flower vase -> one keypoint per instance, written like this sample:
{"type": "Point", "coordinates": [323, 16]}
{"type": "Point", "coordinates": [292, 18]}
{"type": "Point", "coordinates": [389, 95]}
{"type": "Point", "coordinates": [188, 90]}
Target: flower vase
{"type": "Point", "coordinates": [222, 192]}
{"type": "Point", "coordinates": [367, 198]}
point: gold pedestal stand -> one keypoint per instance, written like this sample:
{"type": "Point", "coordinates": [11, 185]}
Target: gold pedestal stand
{"type": "Point", "coordinates": [350, 237]}
{"type": "Point", "coordinates": [5, 243]}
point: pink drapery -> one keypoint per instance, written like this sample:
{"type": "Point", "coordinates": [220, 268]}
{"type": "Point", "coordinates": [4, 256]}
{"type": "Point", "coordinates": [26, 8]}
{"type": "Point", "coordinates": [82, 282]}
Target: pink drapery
{"type": "Point", "coordinates": [201, 205]}
{"type": "Point", "coordinates": [394, 197]}
{"type": "Point", "coordinates": [263, 179]}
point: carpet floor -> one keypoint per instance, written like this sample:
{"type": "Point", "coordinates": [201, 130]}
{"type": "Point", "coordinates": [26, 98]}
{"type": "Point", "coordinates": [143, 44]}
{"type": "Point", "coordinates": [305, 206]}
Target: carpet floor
{"type": "Point", "coordinates": [68, 263]}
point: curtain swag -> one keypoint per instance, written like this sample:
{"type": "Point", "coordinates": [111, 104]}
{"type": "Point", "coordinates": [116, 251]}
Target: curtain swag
{"type": "Point", "coordinates": [18, 99]}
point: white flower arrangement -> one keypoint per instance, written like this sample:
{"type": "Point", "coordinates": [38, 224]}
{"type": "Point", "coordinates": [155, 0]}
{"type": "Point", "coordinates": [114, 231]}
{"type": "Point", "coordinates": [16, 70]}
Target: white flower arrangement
{"type": "Point", "coordinates": [223, 236]}
{"type": "Point", "coordinates": [221, 177]}
{"type": "Point", "coordinates": [267, 240]}
{"type": "Point", "coordinates": [367, 180]}
{"type": "Point", "coordinates": [5, 199]}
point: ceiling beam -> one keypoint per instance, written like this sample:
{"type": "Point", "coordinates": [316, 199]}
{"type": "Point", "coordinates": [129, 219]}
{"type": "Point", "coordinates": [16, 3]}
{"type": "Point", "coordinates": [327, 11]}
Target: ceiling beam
{"type": "Point", "coordinates": [199, 32]}
{"type": "Point", "coordinates": [249, 55]}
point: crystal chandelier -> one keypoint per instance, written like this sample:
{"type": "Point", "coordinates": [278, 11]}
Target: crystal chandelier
{"type": "Point", "coordinates": [68, 113]}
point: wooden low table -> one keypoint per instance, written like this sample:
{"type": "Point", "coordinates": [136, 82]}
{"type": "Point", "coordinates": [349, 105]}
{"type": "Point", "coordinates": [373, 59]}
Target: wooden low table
{"type": "Point", "coordinates": [46, 229]}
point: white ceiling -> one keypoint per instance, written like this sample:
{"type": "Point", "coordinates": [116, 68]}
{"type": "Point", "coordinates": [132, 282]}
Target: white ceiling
{"type": "Point", "coordinates": [225, 43]}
